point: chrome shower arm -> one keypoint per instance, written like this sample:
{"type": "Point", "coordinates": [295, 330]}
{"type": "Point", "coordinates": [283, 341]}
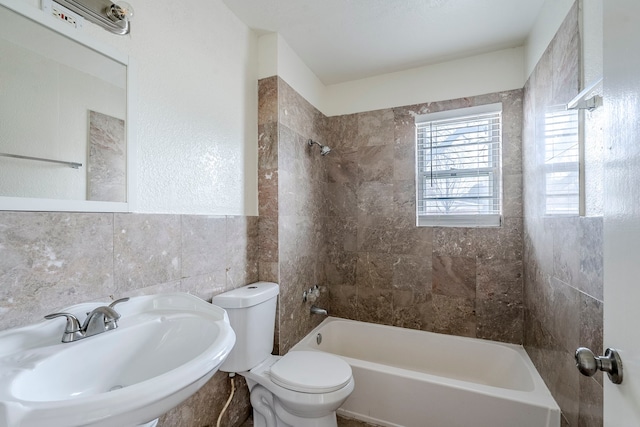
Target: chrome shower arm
{"type": "Point", "coordinates": [324, 149]}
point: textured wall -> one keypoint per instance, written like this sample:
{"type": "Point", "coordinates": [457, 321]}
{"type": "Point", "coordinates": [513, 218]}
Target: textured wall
{"type": "Point", "coordinates": [195, 107]}
{"type": "Point", "coordinates": [52, 260]}
{"type": "Point", "coordinates": [382, 268]}
{"type": "Point", "coordinates": [562, 255]}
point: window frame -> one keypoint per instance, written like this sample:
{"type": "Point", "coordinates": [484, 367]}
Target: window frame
{"type": "Point", "coordinates": [462, 220]}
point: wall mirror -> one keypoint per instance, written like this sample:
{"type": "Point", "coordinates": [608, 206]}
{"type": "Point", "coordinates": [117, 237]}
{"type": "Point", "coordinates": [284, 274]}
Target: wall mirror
{"type": "Point", "coordinates": [65, 128]}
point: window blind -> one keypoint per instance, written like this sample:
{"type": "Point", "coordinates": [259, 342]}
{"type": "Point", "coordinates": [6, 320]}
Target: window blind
{"type": "Point", "coordinates": [561, 162]}
{"type": "Point", "coordinates": [459, 168]}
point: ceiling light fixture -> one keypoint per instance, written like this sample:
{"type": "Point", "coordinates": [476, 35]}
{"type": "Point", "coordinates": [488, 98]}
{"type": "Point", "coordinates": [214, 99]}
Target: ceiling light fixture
{"type": "Point", "coordinates": [113, 17]}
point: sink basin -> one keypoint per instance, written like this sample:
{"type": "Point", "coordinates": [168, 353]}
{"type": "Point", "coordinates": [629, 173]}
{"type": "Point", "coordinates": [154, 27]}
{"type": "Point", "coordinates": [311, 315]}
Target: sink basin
{"type": "Point", "coordinates": [165, 348]}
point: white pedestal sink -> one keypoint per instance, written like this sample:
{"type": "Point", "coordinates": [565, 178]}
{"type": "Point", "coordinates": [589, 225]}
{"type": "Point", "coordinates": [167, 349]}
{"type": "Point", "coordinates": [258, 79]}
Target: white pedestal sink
{"type": "Point", "coordinates": [165, 348]}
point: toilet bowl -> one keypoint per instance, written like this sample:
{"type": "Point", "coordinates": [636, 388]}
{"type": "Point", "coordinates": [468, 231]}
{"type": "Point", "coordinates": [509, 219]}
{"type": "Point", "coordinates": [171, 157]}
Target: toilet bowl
{"type": "Point", "coordinates": [299, 389]}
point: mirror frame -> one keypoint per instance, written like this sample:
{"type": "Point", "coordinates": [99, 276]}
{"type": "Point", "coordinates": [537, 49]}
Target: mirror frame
{"type": "Point", "coordinates": [38, 204]}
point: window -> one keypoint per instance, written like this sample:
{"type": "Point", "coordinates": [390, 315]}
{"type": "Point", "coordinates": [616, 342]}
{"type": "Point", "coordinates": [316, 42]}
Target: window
{"type": "Point", "coordinates": [561, 162]}
{"type": "Point", "coordinates": [459, 167]}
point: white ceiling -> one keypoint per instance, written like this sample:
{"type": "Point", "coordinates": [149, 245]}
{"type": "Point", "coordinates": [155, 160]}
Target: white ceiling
{"type": "Point", "coordinates": [342, 40]}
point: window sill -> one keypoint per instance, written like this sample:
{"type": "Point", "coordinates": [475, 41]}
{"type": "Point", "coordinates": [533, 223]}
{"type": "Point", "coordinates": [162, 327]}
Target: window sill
{"type": "Point", "coordinates": [470, 221]}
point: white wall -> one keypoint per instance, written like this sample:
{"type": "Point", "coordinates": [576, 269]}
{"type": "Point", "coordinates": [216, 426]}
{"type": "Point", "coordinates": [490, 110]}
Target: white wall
{"type": "Point", "coordinates": [276, 57]}
{"type": "Point", "coordinates": [196, 99]}
{"type": "Point", "coordinates": [547, 23]}
{"type": "Point", "coordinates": [476, 75]}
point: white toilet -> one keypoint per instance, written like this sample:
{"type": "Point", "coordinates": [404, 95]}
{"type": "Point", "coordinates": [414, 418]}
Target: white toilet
{"type": "Point", "coordinates": [299, 389]}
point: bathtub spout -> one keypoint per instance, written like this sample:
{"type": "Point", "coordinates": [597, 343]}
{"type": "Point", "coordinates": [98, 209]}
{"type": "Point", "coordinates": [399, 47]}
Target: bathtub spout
{"type": "Point", "coordinates": [318, 310]}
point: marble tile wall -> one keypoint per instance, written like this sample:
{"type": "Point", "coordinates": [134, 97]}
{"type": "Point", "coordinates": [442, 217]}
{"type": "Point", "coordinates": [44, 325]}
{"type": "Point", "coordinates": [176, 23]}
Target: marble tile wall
{"type": "Point", "coordinates": [347, 221]}
{"type": "Point", "coordinates": [292, 185]}
{"type": "Point", "coordinates": [563, 254]}
{"type": "Point", "coordinates": [49, 260]}
{"type": "Point", "coordinates": [107, 161]}
{"type": "Point", "coordinates": [382, 268]}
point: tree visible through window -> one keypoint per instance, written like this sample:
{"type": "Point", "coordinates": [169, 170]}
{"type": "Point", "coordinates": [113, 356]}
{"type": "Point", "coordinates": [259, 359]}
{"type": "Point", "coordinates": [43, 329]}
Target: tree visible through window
{"type": "Point", "coordinates": [459, 167]}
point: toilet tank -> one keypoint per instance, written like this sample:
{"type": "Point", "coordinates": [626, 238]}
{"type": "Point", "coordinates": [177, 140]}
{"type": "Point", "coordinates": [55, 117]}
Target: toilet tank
{"type": "Point", "coordinates": [252, 314]}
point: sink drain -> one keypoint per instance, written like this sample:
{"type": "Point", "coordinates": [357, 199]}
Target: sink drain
{"type": "Point", "coordinates": [116, 387]}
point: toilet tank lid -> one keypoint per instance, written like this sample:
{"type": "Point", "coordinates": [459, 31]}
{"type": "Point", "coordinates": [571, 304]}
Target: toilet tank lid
{"type": "Point", "coordinates": [247, 296]}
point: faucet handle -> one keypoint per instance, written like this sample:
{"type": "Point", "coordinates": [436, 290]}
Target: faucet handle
{"type": "Point", "coordinates": [111, 320]}
{"type": "Point", "coordinates": [110, 317]}
{"type": "Point", "coordinates": [118, 301]}
{"type": "Point", "coordinates": [73, 325]}
{"type": "Point", "coordinates": [72, 330]}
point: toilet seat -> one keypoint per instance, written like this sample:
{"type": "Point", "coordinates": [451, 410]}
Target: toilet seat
{"type": "Point", "coordinates": [310, 372]}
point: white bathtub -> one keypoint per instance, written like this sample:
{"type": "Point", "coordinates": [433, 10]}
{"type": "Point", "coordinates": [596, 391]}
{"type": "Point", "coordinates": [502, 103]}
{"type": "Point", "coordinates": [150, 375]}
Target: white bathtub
{"type": "Point", "coordinates": [412, 378]}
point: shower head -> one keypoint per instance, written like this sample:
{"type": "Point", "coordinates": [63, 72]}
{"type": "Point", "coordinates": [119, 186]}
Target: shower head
{"type": "Point", "coordinates": [324, 149]}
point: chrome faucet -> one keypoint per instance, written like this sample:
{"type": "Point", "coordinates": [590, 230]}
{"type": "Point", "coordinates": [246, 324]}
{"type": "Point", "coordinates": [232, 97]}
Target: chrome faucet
{"type": "Point", "coordinates": [318, 310]}
{"type": "Point", "coordinates": [101, 319]}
